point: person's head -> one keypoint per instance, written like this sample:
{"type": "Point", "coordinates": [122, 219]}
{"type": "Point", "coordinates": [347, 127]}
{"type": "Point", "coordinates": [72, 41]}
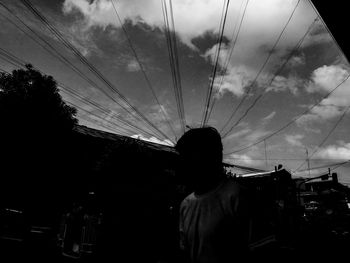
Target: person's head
{"type": "Point", "coordinates": [200, 151]}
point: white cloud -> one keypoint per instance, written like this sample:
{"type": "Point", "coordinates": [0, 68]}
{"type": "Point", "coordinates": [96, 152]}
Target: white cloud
{"type": "Point", "coordinates": [295, 140]}
{"type": "Point", "coordinates": [261, 26]}
{"type": "Point", "coordinates": [188, 23]}
{"type": "Point", "coordinates": [243, 137]}
{"type": "Point", "coordinates": [152, 139]}
{"type": "Point", "coordinates": [238, 134]}
{"type": "Point", "coordinates": [307, 174]}
{"type": "Point", "coordinates": [269, 117]}
{"type": "Point", "coordinates": [298, 60]}
{"type": "Point", "coordinates": [242, 159]}
{"type": "Point", "coordinates": [291, 83]}
{"type": "Point", "coordinates": [133, 66]}
{"type": "Point", "coordinates": [234, 82]}
{"type": "Point", "coordinates": [320, 113]}
{"type": "Point", "coordinates": [239, 78]}
{"type": "Point", "coordinates": [262, 23]}
{"type": "Point", "coordinates": [97, 13]}
{"type": "Point", "coordinates": [80, 38]}
{"type": "Point", "coordinates": [256, 135]}
{"type": "Point", "coordinates": [161, 116]}
{"type": "Point", "coordinates": [235, 79]}
{"type": "Point", "coordinates": [210, 54]}
{"type": "Point", "coordinates": [317, 35]}
{"type": "Point", "coordinates": [334, 152]}
{"type": "Point", "coordinates": [324, 80]}
{"type": "Point", "coordinates": [159, 113]}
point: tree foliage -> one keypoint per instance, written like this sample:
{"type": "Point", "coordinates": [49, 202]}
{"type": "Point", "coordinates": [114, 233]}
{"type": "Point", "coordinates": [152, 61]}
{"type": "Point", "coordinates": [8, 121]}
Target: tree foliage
{"type": "Point", "coordinates": [36, 150]}
{"type": "Point", "coordinates": [31, 101]}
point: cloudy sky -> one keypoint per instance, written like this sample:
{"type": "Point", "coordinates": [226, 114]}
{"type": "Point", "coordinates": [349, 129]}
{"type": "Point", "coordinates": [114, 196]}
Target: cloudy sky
{"type": "Point", "coordinates": [280, 90]}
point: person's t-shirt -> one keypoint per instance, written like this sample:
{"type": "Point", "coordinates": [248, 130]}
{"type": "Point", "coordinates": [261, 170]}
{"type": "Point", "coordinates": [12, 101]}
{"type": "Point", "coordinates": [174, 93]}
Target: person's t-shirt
{"type": "Point", "coordinates": [214, 227]}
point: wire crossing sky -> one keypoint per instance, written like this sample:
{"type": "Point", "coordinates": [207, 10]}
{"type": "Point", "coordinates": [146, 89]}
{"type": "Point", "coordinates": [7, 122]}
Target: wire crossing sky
{"type": "Point", "coordinates": [266, 73]}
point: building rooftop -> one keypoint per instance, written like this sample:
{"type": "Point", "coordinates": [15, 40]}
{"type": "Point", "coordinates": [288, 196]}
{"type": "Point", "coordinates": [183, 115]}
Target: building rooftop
{"type": "Point", "coordinates": [121, 138]}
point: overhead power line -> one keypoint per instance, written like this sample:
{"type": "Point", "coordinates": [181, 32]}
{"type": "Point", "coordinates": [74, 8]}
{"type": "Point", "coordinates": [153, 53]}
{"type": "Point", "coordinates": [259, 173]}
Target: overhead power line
{"type": "Point", "coordinates": [112, 127]}
{"type": "Point", "coordinates": [286, 159]}
{"type": "Point", "coordinates": [217, 52]}
{"type": "Point", "coordinates": [326, 27]}
{"type": "Point", "coordinates": [102, 109]}
{"type": "Point", "coordinates": [279, 70]}
{"type": "Point", "coordinates": [339, 165]}
{"type": "Point", "coordinates": [292, 121]}
{"type": "Point", "coordinates": [171, 40]}
{"type": "Point", "coordinates": [5, 71]}
{"type": "Point", "coordinates": [324, 166]}
{"type": "Point", "coordinates": [17, 62]}
{"type": "Point", "coordinates": [216, 64]}
{"type": "Point", "coordinates": [234, 39]}
{"type": "Point", "coordinates": [9, 59]}
{"type": "Point", "coordinates": [271, 52]}
{"type": "Point", "coordinates": [55, 53]}
{"type": "Point", "coordinates": [325, 138]}
{"type": "Point", "coordinates": [149, 84]}
{"type": "Point", "coordinates": [92, 68]}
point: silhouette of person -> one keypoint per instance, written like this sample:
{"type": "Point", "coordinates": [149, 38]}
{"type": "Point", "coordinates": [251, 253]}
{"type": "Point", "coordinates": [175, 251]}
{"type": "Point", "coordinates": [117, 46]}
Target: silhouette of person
{"type": "Point", "coordinates": [214, 221]}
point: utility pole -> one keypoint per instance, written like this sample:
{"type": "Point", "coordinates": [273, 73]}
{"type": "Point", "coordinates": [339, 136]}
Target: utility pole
{"type": "Point", "coordinates": [308, 160]}
{"type": "Point", "coordinates": [265, 154]}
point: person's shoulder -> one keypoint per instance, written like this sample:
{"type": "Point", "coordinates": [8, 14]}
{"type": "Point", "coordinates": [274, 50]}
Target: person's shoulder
{"type": "Point", "coordinates": [191, 197]}
{"type": "Point", "coordinates": [186, 202]}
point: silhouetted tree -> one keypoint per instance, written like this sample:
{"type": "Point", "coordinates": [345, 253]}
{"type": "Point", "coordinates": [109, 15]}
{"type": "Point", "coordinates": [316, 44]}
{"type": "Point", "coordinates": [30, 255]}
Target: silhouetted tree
{"type": "Point", "coordinates": [35, 137]}
{"type": "Point", "coordinates": [28, 97]}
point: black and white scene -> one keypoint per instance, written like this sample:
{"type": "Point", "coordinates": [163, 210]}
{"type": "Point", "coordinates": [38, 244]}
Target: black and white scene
{"type": "Point", "coordinates": [170, 131]}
